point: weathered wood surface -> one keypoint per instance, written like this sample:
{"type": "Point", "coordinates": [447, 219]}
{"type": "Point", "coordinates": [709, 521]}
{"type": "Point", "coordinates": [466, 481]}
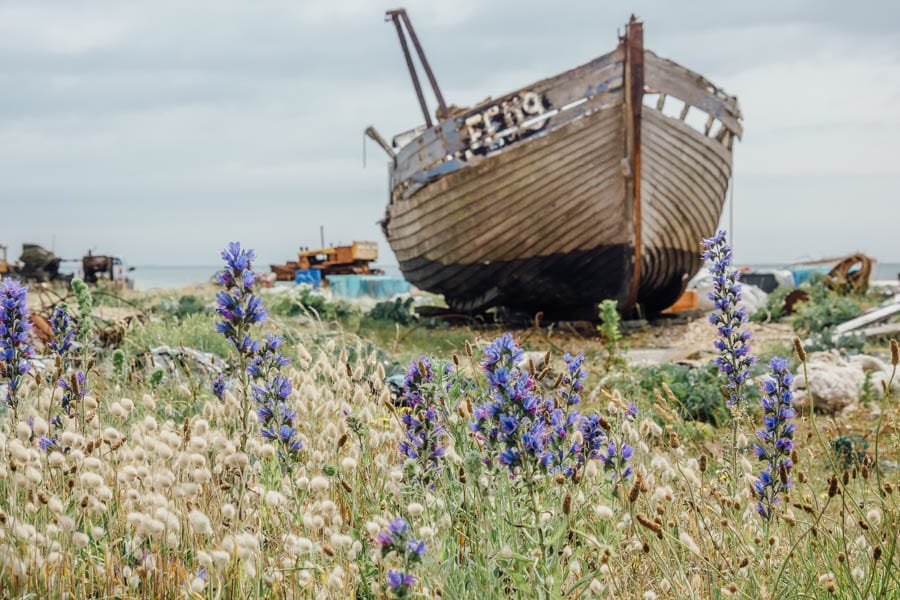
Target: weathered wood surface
{"type": "Point", "coordinates": [685, 177]}
{"type": "Point", "coordinates": [887, 310]}
{"type": "Point", "coordinates": [557, 195]}
{"type": "Point", "coordinates": [596, 78]}
{"type": "Point", "coordinates": [664, 76]}
{"type": "Point", "coordinates": [552, 213]}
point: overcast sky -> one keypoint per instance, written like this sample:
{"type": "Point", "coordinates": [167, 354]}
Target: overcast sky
{"type": "Point", "coordinates": [160, 130]}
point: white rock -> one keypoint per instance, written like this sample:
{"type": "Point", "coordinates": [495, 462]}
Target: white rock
{"type": "Point", "coordinates": [836, 382]}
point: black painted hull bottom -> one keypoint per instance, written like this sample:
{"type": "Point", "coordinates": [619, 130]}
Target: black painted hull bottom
{"type": "Point", "coordinates": [562, 286]}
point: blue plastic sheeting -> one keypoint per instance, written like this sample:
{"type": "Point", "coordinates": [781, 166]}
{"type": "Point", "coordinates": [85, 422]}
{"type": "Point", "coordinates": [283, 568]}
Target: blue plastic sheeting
{"type": "Point", "coordinates": [374, 286]}
{"type": "Point", "coordinates": [801, 274]}
{"type": "Point", "coordinates": [311, 277]}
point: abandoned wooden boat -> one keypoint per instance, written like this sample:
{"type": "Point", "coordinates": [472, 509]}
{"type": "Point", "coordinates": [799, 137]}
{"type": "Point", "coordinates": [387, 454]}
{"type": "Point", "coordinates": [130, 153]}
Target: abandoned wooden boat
{"type": "Point", "coordinates": [565, 192]}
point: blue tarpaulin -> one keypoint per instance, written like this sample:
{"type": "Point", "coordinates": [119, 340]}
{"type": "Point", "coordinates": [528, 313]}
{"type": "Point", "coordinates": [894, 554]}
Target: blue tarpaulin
{"type": "Point", "coordinates": [374, 286]}
{"type": "Point", "coordinates": [312, 277]}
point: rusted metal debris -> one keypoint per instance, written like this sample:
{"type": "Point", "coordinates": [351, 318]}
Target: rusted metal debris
{"type": "Point", "coordinates": [353, 259]}
{"type": "Point", "coordinates": [850, 274]}
{"type": "Point", "coordinates": [96, 268]}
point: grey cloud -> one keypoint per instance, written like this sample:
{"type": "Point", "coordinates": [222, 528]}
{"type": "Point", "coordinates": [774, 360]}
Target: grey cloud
{"type": "Point", "coordinates": [161, 130]}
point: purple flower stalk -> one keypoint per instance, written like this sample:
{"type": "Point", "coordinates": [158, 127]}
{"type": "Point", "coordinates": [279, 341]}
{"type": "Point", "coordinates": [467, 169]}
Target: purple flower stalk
{"type": "Point", "coordinates": [218, 387]}
{"type": "Point", "coordinates": [733, 344]}
{"type": "Point", "coordinates": [593, 435]}
{"type": "Point", "coordinates": [15, 351]}
{"type": "Point", "coordinates": [615, 460]}
{"type": "Point", "coordinates": [237, 305]}
{"type": "Point", "coordinates": [423, 420]}
{"type": "Point", "coordinates": [776, 438]}
{"type": "Point", "coordinates": [400, 583]}
{"type": "Point", "coordinates": [418, 375]}
{"type": "Point", "coordinates": [74, 391]}
{"type": "Point", "coordinates": [63, 333]}
{"type": "Point", "coordinates": [276, 418]}
{"type": "Point", "coordinates": [240, 308]}
{"type": "Point", "coordinates": [398, 538]}
{"type": "Point", "coordinates": [573, 380]}
{"type": "Point", "coordinates": [519, 428]}
{"type": "Point", "coordinates": [267, 359]}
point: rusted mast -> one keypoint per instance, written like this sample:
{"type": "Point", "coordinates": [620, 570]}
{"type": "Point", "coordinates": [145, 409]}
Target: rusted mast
{"type": "Point", "coordinates": [634, 98]}
{"type": "Point", "coordinates": [395, 17]}
{"type": "Point", "coordinates": [442, 106]}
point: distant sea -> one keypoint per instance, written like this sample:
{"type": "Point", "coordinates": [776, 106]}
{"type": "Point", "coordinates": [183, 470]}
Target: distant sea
{"type": "Point", "coordinates": [883, 270]}
{"type": "Point", "coordinates": [149, 277]}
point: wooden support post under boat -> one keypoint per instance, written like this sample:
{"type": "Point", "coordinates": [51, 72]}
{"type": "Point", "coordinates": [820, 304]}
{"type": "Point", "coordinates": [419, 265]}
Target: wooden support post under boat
{"type": "Point", "coordinates": [634, 99]}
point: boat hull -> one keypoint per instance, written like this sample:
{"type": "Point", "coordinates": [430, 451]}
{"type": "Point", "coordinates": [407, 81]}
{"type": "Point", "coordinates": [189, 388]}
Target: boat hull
{"type": "Point", "coordinates": [551, 218]}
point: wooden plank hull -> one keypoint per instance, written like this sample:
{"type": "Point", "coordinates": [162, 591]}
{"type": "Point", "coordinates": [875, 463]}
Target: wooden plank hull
{"type": "Point", "coordinates": [539, 215]}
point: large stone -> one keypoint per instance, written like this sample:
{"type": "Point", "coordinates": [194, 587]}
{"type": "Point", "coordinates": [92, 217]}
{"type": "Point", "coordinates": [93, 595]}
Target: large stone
{"type": "Point", "coordinates": [836, 382]}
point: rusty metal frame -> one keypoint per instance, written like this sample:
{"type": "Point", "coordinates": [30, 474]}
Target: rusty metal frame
{"type": "Point", "coordinates": [397, 16]}
{"type": "Point", "coordinates": [634, 100]}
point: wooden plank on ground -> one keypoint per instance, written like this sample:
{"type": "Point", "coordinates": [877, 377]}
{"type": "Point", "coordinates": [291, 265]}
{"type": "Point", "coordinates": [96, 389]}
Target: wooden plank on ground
{"type": "Point", "coordinates": [873, 316]}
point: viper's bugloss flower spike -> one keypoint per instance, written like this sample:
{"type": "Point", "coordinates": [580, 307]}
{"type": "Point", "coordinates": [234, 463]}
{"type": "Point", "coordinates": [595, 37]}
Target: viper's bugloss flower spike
{"type": "Point", "coordinates": [237, 305]}
{"type": "Point", "coordinates": [423, 417]}
{"type": "Point", "coordinates": [399, 582]}
{"type": "Point", "coordinates": [520, 428]}
{"type": "Point", "coordinates": [418, 375]}
{"type": "Point", "coordinates": [218, 387]}
{"type": "Point", "coordinates": [733, 344]}
{"type": "Point", "coordinates": [776, 438]}
{"type": "Point", "coordinates": [397, 537]}
{"type": "Point", "coordinates": [276, 418]}
{"type": "Point", "coordinates": [572, 379]}
{"type": "Point", "coordinates": [63, 333]}
{"type": "Point", "coordinates": [267, 359]}
{"type": "Point", "coordinates": [74, 390]}
{"type": "Point", "coordinates": [15, 350]}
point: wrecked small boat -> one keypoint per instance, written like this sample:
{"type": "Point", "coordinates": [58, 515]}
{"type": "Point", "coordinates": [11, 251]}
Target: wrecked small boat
{"type": "Point", "coordinates": [588, 185]}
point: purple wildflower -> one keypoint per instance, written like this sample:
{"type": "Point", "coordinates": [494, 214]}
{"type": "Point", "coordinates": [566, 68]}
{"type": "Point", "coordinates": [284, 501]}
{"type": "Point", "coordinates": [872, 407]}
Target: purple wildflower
{"type": "Point", "coordinates": [418, 375]}
{"type": "Point", "coordinates": [48, 443]}
{"type": "Point", "coordinates": [733, 344]}
{"type": "Point", "coordinates": [63, 333]}
{"type": "Point", "coordinates": [776, 438]}
{"type": "Point", "coordinates": [423, 419]}
{"type": "Point", "coordinates": [15, 351]}
{"type": "Point", "coordinates": [267, 358]}
{"type": "Point", "coordinates": [398, 538]}
{"type": "Point", "coordinates": [593, 434]}
{"type": "Point", "coordinates": [573, 379]}
{"type": "Point", "coordinates": [74, 391]}
{"type": "Point", "coordinates": [517, 426]}
{"type": "Point", "coordinates": [237, 305]}
{"type": "Point", "coordinates": [276, 418]}
{"type": "Point", "coordinates": [615, 460]}
{"type": "Point", "coordinates": [399, 582]}
{"type": "Point", "coordinates": [218, 386]}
